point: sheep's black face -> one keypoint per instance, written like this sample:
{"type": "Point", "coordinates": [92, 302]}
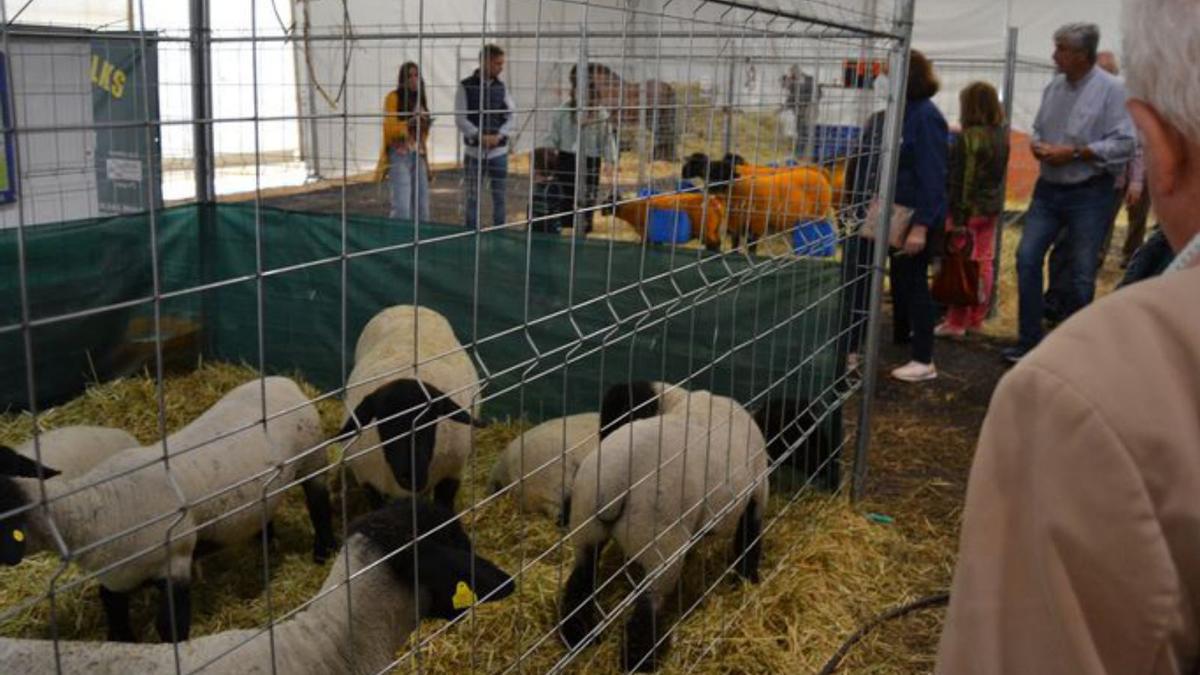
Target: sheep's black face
{"type": "Point", "coordinates": [784, 424]}
{"type": "Point", "coordinates": [408, 412]}
{"type": "Point", "coordinates": [13, 463]}
{"type": "Point", "coordinates": [445, 566]}
{"type": "Point", "coordinates": [626, 402]}
{"type": "Point", "coordinates": [12, 529]}
{"type": "Point", "coordinates": [695, 166]}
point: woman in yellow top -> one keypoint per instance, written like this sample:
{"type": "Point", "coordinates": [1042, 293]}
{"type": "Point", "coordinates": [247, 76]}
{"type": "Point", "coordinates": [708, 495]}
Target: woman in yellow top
{"type": "Point", "coordinates": [402, 160]}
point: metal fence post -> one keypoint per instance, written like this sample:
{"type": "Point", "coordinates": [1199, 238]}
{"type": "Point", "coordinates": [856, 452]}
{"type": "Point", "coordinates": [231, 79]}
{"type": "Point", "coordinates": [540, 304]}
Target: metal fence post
{"type": "Point", "coordinates": [1009, 93]}
{"type": "Point", "coordinates": [898, 74]}
{"type": "Point", "coordinates": [202, 158]}
{"type": "Point", "coordinates": [727, 144]}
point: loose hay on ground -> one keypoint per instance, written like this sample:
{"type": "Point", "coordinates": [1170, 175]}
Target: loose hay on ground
{"type": "Point", "coordinates": [225, 595]}
{"type": "Point", "coordinates": [826, 569]}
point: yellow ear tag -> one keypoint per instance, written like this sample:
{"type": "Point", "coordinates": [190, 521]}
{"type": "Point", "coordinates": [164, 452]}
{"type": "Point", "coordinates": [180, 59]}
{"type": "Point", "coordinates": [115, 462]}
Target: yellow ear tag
{"type": "Point", "coordinates": [464, 597]}
{"type": "Point", "coordinates": [18, 535]}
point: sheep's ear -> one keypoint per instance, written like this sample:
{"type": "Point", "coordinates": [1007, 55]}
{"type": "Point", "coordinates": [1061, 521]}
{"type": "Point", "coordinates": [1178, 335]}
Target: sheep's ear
{"type": "Point", "coordinates": [12, 541]}
{"type": "Point", "coordinates": [363, 414]}
{"type": "Point", "coordinates": [12, 529]}
{"type": "Point", "coordinates": [445, 408]}
{"type": "Point", "coordinates": [626, 402]}
{"type": "Point", "coordinates": [13, 463]}
{"type": "Point", "coordinates": [456, 579]}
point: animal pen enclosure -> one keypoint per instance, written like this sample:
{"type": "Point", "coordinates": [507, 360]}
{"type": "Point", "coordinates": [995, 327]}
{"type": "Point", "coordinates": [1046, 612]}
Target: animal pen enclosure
{"type": "Point", "coordinates": [146, 316]}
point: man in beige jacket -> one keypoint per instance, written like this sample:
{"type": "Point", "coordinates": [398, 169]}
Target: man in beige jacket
{"type": "Point", "coordinates": [1080, 548]}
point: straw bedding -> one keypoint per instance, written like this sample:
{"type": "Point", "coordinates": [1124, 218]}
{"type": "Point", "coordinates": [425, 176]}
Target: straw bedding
{"type": "Point", "coordinates": [826, 569]}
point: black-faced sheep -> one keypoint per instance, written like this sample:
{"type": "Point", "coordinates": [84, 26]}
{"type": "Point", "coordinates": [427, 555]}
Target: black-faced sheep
{"type": "Point", "coordinates": [653, 486]}
{"type": "Point", "coordinates": [789, 425]}
{"type": "Point", "coordinates": [132, 521]}
{"type": "Point", "coordinates": [68, 451]}
{"type": "Point", "coordinates": [361, 618]}
{"type": "Point", "coordinates": [412, 389]}
{"type": "Point", "coordinates": [763, 200]}
{"type": "Point", "coordinates": [532, 462]}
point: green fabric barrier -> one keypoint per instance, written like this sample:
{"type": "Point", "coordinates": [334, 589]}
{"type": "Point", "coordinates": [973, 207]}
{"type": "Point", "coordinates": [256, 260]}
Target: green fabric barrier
{"type": "Point", "coordinates": [74, 269]}
{"type": "Point", "coordinates": [550, 320]}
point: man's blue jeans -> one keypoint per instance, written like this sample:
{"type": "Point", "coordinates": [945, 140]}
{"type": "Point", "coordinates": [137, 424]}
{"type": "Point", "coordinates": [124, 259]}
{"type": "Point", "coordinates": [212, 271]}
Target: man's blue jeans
{"type": "Point", "coordinates": [495, 171]}
{"type": "Point", "coordinates": [1084, 211]}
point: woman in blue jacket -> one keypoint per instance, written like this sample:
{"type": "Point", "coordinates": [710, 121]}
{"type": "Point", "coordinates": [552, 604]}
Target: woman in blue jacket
{"type": "Point", "coordinates": [921, 186]}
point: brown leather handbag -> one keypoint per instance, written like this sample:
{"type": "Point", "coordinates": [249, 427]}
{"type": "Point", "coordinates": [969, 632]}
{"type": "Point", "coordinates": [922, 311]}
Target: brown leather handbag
{"type": "Point", "coordinates": [957, 281]}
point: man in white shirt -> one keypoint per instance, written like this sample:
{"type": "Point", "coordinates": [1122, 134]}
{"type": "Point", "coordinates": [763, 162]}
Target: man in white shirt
{"type": "Point", "coordinates": [1083, 138]}
{"type": "Point", "coordinates": [485, 114]}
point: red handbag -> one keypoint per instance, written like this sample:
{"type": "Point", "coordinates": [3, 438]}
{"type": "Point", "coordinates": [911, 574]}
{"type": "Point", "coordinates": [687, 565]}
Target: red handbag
{"type": "Point", "coordinates": [957, 282]}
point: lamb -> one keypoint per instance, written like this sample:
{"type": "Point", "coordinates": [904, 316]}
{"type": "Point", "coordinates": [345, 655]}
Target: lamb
{"type": "Point", "coordinates": [707, 214]}
{"type": "Point", "coordinates": [758, 204]}
{"type": "Point", "coordinates": [531, 462]}
{"type": "Point", "coordinates": [651, 486]}
{"type": "Point", "coordinates": [69, 452]}
{"type": "Point", "coordinates": [129, 521]}
{"type": "Point", "coordinates": [356, 623]}
{"type": "Point", "coordinates": [418, 387]}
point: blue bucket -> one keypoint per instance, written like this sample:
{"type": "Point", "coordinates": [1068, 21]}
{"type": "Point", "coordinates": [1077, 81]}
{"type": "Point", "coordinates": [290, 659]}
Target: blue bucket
{"type": "Point", "coordinates": [668, 227]}
{"type": "Point", "coordinates": [816, 238]}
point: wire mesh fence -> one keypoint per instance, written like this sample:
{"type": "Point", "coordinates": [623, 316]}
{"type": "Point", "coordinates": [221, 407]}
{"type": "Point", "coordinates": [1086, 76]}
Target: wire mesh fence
{"type": "Point", "coordinates": [611, 394]}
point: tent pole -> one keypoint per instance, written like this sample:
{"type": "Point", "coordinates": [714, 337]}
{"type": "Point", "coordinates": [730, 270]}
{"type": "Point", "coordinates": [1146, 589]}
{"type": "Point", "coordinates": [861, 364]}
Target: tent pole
{"type": "Point", "coordinates": [202, 144]}
{"type": "Point", "coordinates": [1008, 94]}
{"type": "Point", "coordinates": [898, 79]}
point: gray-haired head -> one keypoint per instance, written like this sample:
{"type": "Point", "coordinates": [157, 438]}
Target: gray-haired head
{"type": "Point", "coordinates": [1162, 47]}
{"type": "Point", "coordinates": [1161, 50]}
{"type": "Point", "coordinates": [1084, 37]}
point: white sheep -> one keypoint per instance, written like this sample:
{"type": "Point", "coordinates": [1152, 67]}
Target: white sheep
{"type": "Point", "coordinates": [125, 521]}
{"type": "Point", "coordinates": [533, 462]}
{"type": "Point", "coordinates": [68, 452]}
{"type": "Point", "coordinates": [416, 455]}
{"type": "Point", "coordinates": [354, 626]}
{"type": "Point", "coordinates": [652, 486]}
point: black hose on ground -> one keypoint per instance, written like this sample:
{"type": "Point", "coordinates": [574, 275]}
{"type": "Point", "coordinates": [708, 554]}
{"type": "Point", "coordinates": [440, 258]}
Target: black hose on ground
{"type": "Point", "coordinates": [835, 661]}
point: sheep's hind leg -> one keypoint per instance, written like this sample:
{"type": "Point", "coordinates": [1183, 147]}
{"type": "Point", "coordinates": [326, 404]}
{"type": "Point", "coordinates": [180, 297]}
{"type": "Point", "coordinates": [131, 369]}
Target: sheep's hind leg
{"type": "Point", "coordinates": [320, 512]}
{"type": "Point", "coordinates": [116, 612]}
{"type": "Point", "coordinates": [747, 542]}
{"type": "Point", "coordinates": [445, 492]}
{"type": "Point", "coordinates": [647, 632]}
{"type": "Point", "coordinates": [640, 652]}
{"type": "Point", "coordinates": [578, 615]}
{"type": "Point", "coordinates": [174, 603]}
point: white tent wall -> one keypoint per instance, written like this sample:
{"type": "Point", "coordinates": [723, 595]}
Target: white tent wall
{"type": "Point", "coordinates": [244, 74]}
{"type": "Point", "coordinates": [542, 43]}
{"type": "Point", "coordinates": [978, 28]}
{"type": "Point", "coordinates": [276, 139]}
{"type": "Point", "coordinates": [303, 77]}
{"type": "Point", "coordinates": [351, 78]}
{"type": "Point", "coordinates": [967, 40]}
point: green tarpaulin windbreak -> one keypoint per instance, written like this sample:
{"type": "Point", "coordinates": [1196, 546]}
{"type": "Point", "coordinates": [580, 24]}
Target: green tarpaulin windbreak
{"type": "Point", "coordinates": [550, 320]}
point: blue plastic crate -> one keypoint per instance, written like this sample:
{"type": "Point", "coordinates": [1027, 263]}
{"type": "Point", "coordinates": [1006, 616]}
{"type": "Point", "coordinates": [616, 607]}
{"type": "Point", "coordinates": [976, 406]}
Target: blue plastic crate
{"type": "Point", "coordinates": [830, 141]}
{"type": "Point", "coordinates": [817, 239]}
{"type": "Point", "coordinates": [668, 227]}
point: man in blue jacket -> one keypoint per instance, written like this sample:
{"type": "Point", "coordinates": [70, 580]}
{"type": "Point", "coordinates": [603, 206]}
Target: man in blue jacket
{"type": "Point", "coordinates": [486, 116]}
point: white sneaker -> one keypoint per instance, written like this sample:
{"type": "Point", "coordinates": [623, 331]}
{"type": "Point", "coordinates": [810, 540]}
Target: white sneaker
{"type": "Point", "coordinates": [944, 329]}
{"type": "Point", "coordinates": [915, 371]}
